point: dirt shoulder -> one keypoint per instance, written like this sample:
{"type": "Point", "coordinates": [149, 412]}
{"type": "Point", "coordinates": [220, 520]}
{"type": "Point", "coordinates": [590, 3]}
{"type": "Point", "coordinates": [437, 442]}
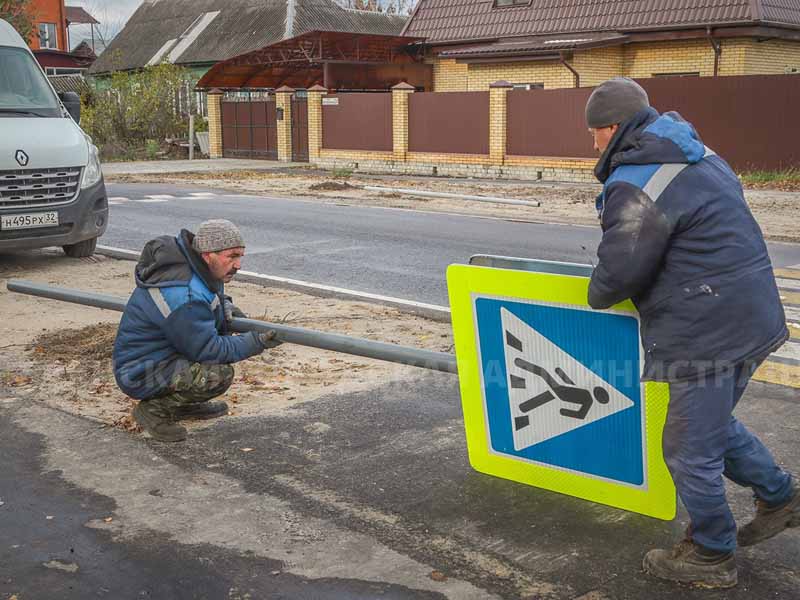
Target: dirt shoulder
{"type": "Point", "coordinates": [560, 202]}
{"type": "Point", "coordinates": [61, 353]}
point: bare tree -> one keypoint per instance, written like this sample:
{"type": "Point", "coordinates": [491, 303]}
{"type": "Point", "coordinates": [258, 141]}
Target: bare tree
{"type": "Point", "coordinates": [390, 7]}
{"type": "Point", "coordinates": [110, 22]}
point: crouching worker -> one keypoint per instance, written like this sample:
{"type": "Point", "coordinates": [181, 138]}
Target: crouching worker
{"type": "Point", "coordinates": [173, 351]}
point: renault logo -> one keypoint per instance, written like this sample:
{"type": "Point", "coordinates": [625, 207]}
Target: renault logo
{"type": "Point", "coordinates": [22, 158]}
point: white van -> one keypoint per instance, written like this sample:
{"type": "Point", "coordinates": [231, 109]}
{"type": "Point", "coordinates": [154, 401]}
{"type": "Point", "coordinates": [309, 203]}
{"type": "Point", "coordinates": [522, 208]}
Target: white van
{"type": "Point", "coordinates": [51, 187]}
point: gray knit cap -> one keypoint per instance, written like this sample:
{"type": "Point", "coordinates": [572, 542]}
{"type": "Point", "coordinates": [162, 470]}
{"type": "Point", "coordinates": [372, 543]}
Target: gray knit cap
{"type": "Point", "coordinates": [615, 101]}
{"type": "Point", "coordinates": [216, 235]}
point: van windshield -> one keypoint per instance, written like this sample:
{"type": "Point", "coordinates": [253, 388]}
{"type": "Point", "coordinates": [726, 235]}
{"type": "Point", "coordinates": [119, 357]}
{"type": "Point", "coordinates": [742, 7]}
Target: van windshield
{"type": "Point", "coordinates": [23, 87]}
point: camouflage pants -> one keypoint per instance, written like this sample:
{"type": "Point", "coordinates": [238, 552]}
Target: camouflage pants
{"type": "Point", "coordinates": [194, 384]}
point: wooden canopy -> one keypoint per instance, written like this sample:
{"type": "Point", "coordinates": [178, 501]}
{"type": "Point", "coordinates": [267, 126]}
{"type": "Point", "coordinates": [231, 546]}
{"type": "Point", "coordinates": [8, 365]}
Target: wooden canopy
{"type": "Point", "coordinates": [335, 60]}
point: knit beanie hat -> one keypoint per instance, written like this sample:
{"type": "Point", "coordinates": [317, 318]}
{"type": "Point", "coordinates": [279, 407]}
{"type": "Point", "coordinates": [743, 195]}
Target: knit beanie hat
{"type": "Point", "coordinates": [614, 102]}
{"type": "Point", "coordinates": [216, 235]}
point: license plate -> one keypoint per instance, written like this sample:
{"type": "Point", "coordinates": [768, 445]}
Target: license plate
{"type": "Point", "coordinates": [29, 220]}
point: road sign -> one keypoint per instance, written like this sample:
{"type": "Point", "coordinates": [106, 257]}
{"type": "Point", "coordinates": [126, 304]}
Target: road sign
{"type": "Point", "coordinates": [550, 388]}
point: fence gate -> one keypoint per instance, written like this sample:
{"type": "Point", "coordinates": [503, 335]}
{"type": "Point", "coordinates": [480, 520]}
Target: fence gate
{"type": "Point", "coordinates": [249, 126]}
{"type": "Point", "coordinates": [299, 130]}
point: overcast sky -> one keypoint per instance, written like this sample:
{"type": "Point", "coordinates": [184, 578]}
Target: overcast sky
{"type": "Point", "coordinates": [112, 15]}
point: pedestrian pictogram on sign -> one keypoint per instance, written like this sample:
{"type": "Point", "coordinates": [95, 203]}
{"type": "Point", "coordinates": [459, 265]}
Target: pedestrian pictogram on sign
{"type": "Point", "coordinates": [545, 401]}
{"type": "Point", "coordinates": [551, 389]}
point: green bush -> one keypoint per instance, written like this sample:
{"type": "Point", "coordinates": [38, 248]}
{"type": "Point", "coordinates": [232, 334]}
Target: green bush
{"type": "Point", "coordinates": [151, 149]}
{"type": "Point", "coordinates": [135, 107]}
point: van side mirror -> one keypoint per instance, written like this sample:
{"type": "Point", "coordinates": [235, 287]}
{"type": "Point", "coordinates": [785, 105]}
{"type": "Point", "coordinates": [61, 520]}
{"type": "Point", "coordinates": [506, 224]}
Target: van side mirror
{"type": "Point", "coordinates": [72, 102]}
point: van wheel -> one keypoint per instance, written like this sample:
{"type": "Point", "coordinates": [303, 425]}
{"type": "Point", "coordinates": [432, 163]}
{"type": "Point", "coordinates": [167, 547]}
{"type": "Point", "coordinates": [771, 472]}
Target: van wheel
{"type": "Point", "coordinates": [81, 249]}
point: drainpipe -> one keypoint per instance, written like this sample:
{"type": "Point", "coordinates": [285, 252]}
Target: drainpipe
{"type": "Point", "coordinates": [563, 59]}
{"type": "Point", "coordinates": [717, 46]}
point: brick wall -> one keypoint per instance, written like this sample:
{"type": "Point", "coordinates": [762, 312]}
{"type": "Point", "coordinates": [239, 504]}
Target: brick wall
{"type": "Point", "coordinates": [646, 60]}
{"type": "Point", "coordinates": [48, 11]}
{"type": "Point", "coordinates": [771, 57]}
{"type": "Point", "coordinates": [739, 57]}
{"type": "Point", "coordinates": [450, 76]}
{"type": "Point", "coordinates": [215, 124]}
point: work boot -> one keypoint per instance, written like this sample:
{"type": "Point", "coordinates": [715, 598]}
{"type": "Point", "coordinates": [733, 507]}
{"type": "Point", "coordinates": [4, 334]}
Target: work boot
{"type": "Point", "coordinates": [691, 563]}
{"type": "Point", "coordinates": [158, 422]}
{"type": "Point", "coordinates": [201, 410]}
{"type": "Point", "coordinates": [770, 521]}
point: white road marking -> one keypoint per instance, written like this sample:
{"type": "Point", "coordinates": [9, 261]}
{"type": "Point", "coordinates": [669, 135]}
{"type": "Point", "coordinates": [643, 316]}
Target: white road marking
{"type": "Point", "coordinates": [201, 195]}
{"type": "Point", "coordinates": [344, 291]}
{"type": "Point", "coordinates": [271, 279]}
{"type": "Point", "coordinates": [789, 284]}
{"type": "Point", "coordinates": [151, 200]}
{"type": "Point", "coordinates": [118, 199]}
{"type": "Point", "coordinates": [790, 350]}
{"type": "Point", "coordinates": [160, 196]}
{"type": "Point", "coordinates": [792, 313]}
{"type": "Point", "coordinates": [794, 267]}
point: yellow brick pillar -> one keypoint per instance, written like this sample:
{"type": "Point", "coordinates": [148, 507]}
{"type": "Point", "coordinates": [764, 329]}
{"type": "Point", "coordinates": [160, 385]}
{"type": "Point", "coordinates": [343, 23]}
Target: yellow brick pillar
{"type": "Point", "coordinates": [215, 123]}
{"type": "Point", "coordinates": [283, 102]}
{"type": "Point", "coordinates": [498, 121]}
{"type": "Point", "coordinates": [315, 95]}
{"type": "Point", "coordinates": [400, 99]}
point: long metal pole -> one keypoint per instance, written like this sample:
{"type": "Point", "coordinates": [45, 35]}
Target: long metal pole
{"type": "Point", "coordinates": [405, 355]}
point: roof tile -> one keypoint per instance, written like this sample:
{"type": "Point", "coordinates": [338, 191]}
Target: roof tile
{"type": "Point", "coordinates": [442, 20]}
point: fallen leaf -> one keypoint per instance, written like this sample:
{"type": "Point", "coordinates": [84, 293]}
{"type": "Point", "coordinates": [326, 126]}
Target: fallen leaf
{"type": "Point", "coordinates": [108, 519]}
{"type": "Point", "coordinates": [247, 449]}
{"type": "Point", "coordinates": [20, 380]}
{"type": "Point", "coordinates": [438, 576]}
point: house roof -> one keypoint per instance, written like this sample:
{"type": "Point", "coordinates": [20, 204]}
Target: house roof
{"type": "Point", "coordinates": [70, 83]}
{"type": "Point", "coordinates": [443, 21]}
{"type": "Point", "coordinates": [76, 14]}
{"type": "Point", "coordinates": [531, 46]}
{"type": "Point", "coordinates": [208, 31]}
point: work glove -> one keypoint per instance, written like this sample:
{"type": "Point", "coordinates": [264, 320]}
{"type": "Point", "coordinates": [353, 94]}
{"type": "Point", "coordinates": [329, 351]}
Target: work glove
{"type": "Point", "coordinates": [231, 310]}
{"type": "Point", "coordinates": [269, 339]}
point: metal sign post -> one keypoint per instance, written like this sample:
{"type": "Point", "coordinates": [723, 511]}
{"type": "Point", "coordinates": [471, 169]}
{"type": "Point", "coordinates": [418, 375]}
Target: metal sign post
{"type": "Point", "coordinates": [550, 388]}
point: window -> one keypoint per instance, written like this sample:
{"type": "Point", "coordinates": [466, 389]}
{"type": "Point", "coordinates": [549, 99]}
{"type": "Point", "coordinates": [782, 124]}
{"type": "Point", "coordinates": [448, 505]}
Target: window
{"type": "Point", "coordinates": [687, 74]}
{"type": "Point", "coordinates": [505, 3]}
{"type": "Point", "coordinates": [527, 86]}
{"type": "Point", "coordinates": [63, 71]}
{"type": "Point", "coordinates": [23, 86]}
{"type": "Point", "coordinates": [47, 36]}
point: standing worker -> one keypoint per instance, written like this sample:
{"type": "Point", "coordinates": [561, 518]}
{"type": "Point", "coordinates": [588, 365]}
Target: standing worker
{"type": "Point", "coordinates": [679, 239]}
{"type": "Point", "coordinates": [173, 351]}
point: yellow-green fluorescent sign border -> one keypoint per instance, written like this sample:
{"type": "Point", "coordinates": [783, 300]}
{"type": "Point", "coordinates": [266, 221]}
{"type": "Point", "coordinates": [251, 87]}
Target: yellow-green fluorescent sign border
{"type": "Point", "coordinates": [480, 295]}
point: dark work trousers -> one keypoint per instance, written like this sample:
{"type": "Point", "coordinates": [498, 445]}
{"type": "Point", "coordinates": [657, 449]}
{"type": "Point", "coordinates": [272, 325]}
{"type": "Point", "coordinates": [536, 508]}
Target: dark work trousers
{"type": "Point", "coordinates": [704, 441]}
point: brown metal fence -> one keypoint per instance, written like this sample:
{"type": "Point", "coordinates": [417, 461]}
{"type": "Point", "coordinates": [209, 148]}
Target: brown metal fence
{"type": "Point", "coordinates": [358, 121]}
{"type": "Point", "coordinates": [548, 123]}
{"type": "Point", "coordinates": [751, 121]}
{"type": "Point", "coordinates": [249, 129]}
{"type": "Point", "coordinates": [449, 122]}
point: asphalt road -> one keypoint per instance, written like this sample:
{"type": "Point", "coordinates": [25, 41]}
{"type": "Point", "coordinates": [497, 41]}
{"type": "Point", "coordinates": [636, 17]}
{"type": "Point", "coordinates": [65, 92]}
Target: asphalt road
{"type": "Point", "coordinates": [394, 252]}
{"type": "Point", "coordinates": [366, 506]}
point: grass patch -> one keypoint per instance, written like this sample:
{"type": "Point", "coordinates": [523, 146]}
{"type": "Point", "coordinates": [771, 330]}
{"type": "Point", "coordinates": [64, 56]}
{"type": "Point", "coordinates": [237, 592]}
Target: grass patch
{"type": "Point", "coordinates": [786, 179]}
{"type": "Point", "coordinates": [341, 173]}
